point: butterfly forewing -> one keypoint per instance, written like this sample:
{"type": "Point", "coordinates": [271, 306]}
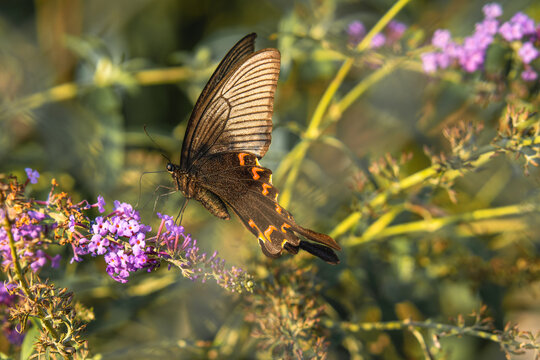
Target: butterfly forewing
{"type": "Point", "coordinates": [237, 113]}
{"type": "Point", "coordinates": [243, 48]}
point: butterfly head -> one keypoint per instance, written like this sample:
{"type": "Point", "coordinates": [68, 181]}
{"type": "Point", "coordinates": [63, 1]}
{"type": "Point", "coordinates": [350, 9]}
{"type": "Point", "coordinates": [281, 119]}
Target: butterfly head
{"type": "Point", "coordinates": [182, 180]}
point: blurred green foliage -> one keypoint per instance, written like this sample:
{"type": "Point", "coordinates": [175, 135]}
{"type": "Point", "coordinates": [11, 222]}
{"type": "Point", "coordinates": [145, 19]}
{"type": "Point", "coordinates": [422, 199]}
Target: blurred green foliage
{"type": "Point", "coordinates": [79, 80]}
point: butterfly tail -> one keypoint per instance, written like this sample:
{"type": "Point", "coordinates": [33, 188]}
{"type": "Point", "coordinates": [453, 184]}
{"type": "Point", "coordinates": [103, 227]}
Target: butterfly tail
{"type": "Point", "coordinates": [317, 237]}
{"type": "Point", "coordinates": [320, 251]}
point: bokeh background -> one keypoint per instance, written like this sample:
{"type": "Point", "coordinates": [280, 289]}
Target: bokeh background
{"type": "Point", "coordinates": [88, 134]}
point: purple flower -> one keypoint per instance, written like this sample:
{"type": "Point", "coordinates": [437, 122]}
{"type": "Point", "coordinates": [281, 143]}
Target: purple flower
{"type": "Point", "coordinates": [55, 261]}
{"type": "Point", "coordinates": [128, 251]}
{"type": "Point", "coordinates": [40, 260]}
{"type": "Point", "coordinates": [525, 22]}
{"type": "Point", "coordinates": [429, 62]}
{"type": "Point", "coordinates": [395, 30]}
{"type": "Point", "coordinates": [377, 41]}
{"type": "Point", "coordinates": [114, 224]}
{"type": "Point", "coordinates": [529, 75]}
{"type": "Point", "coordinates": [138, 243]}
{"type": "Point", "coordinates": [33, 175]}
{"type": "Point", "coordinates": [126, 209]}
{"type": "Point", "coordinates": [5, 294]}
{"type": "Point", "coordinates": [492, 10]}
{"type": "Point", "coordinates": [101, 204]}
{"type": "Point", "coordinates": [517, 27]}
{"type": "Point", "coordinates": [131, 227]}
{"type": "Point", "coordinates": [441, 38]}
{"type": "Point", "coordinates": [510, 32]}
{"type": "Point", "coordinates": [14, 336]}
{"type": "Point", "coordinates": [100, 226]}
{"type": "Point", "coordinates": [528, 52]}
{"type": "Point", "coordinates": [71, 223]}
{"type": "Point", "coordinates": [472, 60]}
{"type": "Point", "coordinates": [98, 245]}
{"type": "Point", "coordinates": [140, 260]}
{"type": "Point", "coordinates": [356, 32]}
{"type": "Point", "coordinates": [443, 60]}
{"type": "Point", "coordinates": [487, 27]}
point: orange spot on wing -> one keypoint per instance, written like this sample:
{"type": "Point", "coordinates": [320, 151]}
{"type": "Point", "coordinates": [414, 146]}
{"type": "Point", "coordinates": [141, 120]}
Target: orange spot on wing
{"type": "Point", "coordinates": [269, 231]}
{"type": "Point", "coordinates": [256, 171]}
{"type": "Point", "coordinates": [253, 225]}
{"type": "Point", "coordinates": [284, 227]}
{"type": "Point", "coordinates": [241, 157]}
{"type": "Point", "coordinates": [265, 188]}
{"type": "Point", "coordinates": [278, 208]}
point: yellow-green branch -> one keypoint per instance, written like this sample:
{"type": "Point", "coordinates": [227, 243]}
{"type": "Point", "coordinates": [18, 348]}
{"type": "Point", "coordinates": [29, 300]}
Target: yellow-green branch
{"type": "Point", "coordinates": [407, 324]}
{"type": "Point", "coordinates": [418, 178]}
{"type": "Point", "coordinates": [71, 90]}
{"type": "Point", "coordinates": [313, 129]}
{"type": "Point", "coordinates": [435, 224]}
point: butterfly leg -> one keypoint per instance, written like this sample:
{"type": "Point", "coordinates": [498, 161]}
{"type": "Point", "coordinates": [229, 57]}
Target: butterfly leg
{"type": "Point", "coordinates": [161, 195]}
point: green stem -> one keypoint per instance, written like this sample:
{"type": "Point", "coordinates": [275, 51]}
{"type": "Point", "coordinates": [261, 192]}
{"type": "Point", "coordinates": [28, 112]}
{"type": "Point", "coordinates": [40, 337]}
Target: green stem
{"type": "Point", "coordinates": [22, 279]}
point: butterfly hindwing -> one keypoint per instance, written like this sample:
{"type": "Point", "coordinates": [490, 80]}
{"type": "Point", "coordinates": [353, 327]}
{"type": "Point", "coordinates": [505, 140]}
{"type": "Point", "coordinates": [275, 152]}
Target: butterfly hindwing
{"type": "Point", "coordinates": [246, 187]}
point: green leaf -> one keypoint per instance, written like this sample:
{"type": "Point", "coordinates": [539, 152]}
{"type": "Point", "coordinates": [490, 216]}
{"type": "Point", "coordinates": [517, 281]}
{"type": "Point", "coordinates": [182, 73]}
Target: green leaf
{"type": "Point", "coordinates": [27, 348]}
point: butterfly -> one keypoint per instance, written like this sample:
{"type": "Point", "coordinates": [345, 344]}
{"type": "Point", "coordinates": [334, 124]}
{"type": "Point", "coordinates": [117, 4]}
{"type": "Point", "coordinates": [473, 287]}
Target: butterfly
{"type": "Point", "coordinates": [228, 132]}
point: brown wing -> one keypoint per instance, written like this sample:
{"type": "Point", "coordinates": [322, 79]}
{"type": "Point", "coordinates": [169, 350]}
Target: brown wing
{"type": "Point", "coordinates": [236, 114]}
{"type": "Point", "coordinates": [246, 187]}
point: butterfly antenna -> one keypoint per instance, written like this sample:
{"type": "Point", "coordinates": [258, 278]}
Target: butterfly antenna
{"type": "Point", "coordinates": [181, 213]}
{"type": "Point", "coordinates": [155, 143]}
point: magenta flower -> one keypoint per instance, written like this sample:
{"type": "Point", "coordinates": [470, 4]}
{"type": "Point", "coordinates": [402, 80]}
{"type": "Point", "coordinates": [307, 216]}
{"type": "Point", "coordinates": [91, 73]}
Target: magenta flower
{"type": "Point", "coordinates": [356, 32]}
{"type": "Point", "coordinates": [441, 39]}
{"type": "Point", "coordinates": [529, 75]}
{"type": "Point", "coordinates": [378, 41]}
{"type": "Point", "coordinates": [525, 22]}
{"type": "Point", "coordinates": [395, 30]}
{"type": "Point", "coordinates": [492, 10]}
{"type": "Point", "coordinates": [528, 52]}
{"type": "Point", "coordinates": [488, 27]}
{"type": "Point", "coordinates": [429, 62]}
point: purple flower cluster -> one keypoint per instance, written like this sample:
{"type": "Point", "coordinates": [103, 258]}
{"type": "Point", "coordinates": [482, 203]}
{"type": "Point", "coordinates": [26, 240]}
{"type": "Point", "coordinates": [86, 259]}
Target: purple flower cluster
{"type": "Point", "coordinates": [28, 229]}
{"type": "Point", "coordinates": [182, 250]}
{"type": "Point", "coordinates": [120, 237]}
{"type": "Point", "coordinates": [471, 53]}
{"type": "Point", "coordinates": [8, 300]}
{"type": "Point", "coordinates": [392, 33]}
